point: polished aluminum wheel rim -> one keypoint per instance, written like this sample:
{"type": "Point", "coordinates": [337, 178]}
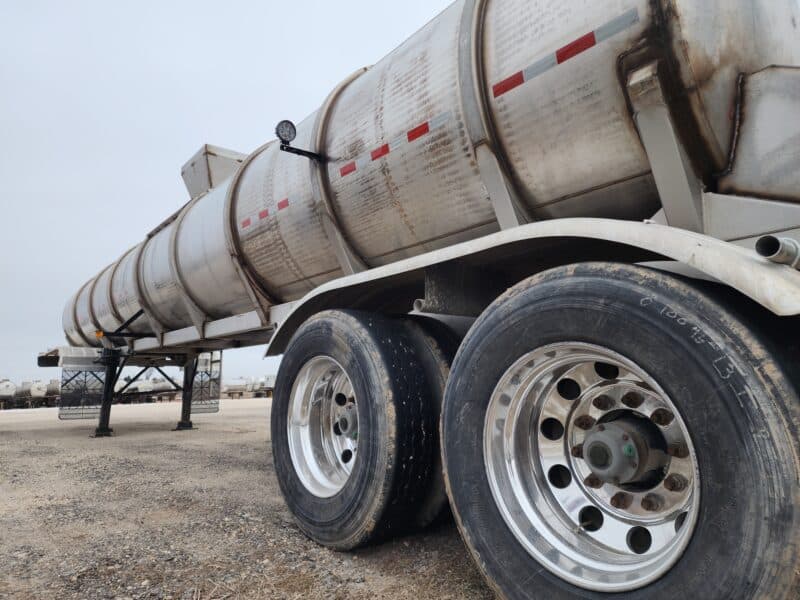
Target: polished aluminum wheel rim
{"type": "Point", "coordinates": [323, 426]}
{"type": "Point", "coordinates": [608, 532]}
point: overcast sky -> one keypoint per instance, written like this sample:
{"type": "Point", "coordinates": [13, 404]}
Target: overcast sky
{"type": "Point", "coordinates": [101, 103]}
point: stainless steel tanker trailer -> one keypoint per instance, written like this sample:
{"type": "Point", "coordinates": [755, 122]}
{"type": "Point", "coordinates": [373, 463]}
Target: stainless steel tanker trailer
{"type": "Point", "coordinates": [539, 262]}
{"type": "Point", "coordinates": [7, 391]}
{"type": "Point", "coordinates": [30, 394]}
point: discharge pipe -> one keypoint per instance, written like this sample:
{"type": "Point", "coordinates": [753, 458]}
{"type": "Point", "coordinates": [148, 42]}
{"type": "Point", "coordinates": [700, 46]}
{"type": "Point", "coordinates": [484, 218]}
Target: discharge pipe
{"type": "Point", "coordinates": [785, 251]}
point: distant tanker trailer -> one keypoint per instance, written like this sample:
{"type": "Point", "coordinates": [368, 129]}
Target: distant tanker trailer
{"type": "Point", "coordinates": [31, 389]}
{"type": "Point", "coordinates": [30, 394]}
{"type": "Point", "coordinates": [140, 386]}
{"type": "Point", "coordinates": [53, 388]}
{"type": "Point", "coordinates": [7, 390]}
{"type": "Point", "coordinates": [621, 415]}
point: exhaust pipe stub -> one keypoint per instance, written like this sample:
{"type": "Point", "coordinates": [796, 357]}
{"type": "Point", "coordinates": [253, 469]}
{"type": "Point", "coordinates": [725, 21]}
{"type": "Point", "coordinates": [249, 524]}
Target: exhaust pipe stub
{"type": "Point", "coordinates": [785, 251]}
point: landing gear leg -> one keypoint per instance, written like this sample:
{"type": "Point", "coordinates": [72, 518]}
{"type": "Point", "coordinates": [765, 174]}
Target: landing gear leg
{"type": "Point", "coordinates": [110, 358]}
{"type": "Point", "coordinates": [189, 372]}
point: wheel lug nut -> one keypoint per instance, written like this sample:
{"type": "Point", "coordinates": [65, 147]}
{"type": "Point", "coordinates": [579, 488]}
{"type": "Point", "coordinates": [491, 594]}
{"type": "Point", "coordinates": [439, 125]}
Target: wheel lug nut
{"type": "Point", "coordinates": [603, 402]}
{"type": "Point", "coordinates": [593, 481]}
{"type": "Point", "coordinates": [662, 417]}
{"type": "Point", "coordinates": [585, 422]}
{"type": "Point", "coordinates": [577, 451]}
{"type": "Point", "coordinates": [679, 450]}
{"type": "Point", "coordinates": [676, 483]}
{"type": "Point", "coordinates": [632, 400]}
{"type": "Point", "coordinates": [621, 500]}
{"type": "Point", "coordinates": [652, 502]}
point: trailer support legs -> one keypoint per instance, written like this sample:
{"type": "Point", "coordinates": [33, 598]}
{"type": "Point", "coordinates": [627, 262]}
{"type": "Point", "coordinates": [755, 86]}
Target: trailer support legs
{"type": "Point", "coordinates": [189, 372]}
{"type": "Point", "coordinates": [110, 358]}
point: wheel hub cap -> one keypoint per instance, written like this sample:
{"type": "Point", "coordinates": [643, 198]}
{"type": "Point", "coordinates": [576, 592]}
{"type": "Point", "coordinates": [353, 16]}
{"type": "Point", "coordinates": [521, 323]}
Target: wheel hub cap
{"type": "Point", "coordinates": [323, 426]}
{"type": "Point", "coordinates": [591, 466]}
{"type": "Point", "coordinates": [623, 451]}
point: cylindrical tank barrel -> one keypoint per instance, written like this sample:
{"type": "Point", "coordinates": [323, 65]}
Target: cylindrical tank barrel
{"type": "Point", "coordinates": [31, 389]}
{"type": "Point", "coordinates": [53, 388]}
{"type": "Point", "coordinates": [38, 389]}
{"type": "Point", "coordinates": [538, 85]}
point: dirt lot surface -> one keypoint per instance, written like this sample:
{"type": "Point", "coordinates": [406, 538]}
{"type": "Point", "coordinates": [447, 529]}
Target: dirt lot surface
{"type": "Point", "coordinates": [152, 513]}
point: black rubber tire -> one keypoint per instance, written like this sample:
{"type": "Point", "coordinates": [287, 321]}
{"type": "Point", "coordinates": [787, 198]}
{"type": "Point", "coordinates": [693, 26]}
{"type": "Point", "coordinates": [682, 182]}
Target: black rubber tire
{"type": "Point", "coordinates": [393, 471]}
{"type": "Point", "coordinates": [741, 411]}
{"type": "Point", "coordinates": [435, 346]}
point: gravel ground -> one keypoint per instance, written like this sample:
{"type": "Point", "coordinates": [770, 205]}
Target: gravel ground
{"type": "Point", "coordinates": [152, 513]}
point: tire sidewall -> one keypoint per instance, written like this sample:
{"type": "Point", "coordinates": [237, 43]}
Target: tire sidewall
{"type": "Point", "coordinates": [435, 348]}
{"type": "Point", "coordinates": [698, 356]}
{"type": "Point", "coordinates": [338, 337]}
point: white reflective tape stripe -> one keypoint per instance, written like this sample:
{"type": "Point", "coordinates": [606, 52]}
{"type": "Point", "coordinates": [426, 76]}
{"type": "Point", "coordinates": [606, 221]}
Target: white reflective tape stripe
{"type": "Point", "coordinates": [396, 143]}
{"type": "Point", "coordinates": [539, 67]}
{"type": "Point", "coordinates": [363, 160]}
{"type": "Point", "coordinates": [438, 121]}
{"type": "Point", "coordinates": [618, 25]}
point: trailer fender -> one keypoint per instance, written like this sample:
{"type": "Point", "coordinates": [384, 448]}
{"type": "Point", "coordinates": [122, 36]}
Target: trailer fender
{"type": "Point", "coordinates": [773, 286]}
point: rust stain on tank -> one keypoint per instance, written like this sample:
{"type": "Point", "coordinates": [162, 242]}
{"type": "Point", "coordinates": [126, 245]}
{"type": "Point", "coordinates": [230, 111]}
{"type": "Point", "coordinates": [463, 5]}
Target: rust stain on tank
{"type": "Point", "coordinates": [704, 67]}
{"type": "Point", "coordinates": [657, 43]}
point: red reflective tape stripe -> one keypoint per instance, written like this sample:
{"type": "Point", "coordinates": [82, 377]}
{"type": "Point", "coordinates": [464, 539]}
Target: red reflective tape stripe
{"type": "Point", "coordinates": [246, 223]}
{"type": "Point", "coordinates": [283, 204]}
{"type": "Point", "coordinates": [382, 151]}
{"type": "Point", "coordinates": [263, 214]}
{"type": "Point", "coordinates": [418, 132]}
{"type": "Point", "coordinates": [508, 84]}
{"type": "Point", "coordinates": [348, 168]}
{"type": "Point", "coordinates": [574, 48]}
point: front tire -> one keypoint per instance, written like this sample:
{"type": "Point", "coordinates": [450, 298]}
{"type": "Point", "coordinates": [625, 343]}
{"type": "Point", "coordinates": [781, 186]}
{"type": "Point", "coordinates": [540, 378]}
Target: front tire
{"type": "Point", "coordinates": [588, 355]}
{"type": "Point", "coordinates": [353, 428]}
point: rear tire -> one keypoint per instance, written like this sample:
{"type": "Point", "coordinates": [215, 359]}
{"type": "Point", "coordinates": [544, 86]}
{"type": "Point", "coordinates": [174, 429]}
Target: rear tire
{"type": "Point", "coordinates": [435, 347]}
{"type": "Point", "coordinates": [741, 419]}
{"type": "Point", "coordinates": [355, 460]}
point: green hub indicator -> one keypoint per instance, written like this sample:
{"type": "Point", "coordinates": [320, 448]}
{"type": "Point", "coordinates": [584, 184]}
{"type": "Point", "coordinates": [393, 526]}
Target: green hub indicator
{"type": "Point", "coordinates": [629, 450]}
